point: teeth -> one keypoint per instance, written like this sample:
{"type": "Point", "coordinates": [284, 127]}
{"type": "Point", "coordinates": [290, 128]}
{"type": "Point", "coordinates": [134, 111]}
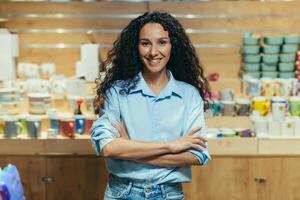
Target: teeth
{"type": "Point", "coordinates": [154, 61]}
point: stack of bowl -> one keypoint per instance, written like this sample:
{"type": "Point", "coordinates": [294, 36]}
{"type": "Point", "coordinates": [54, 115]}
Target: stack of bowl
{"type": "Point", "coordinates": [289, 50]}
{"type": "Point", "coordinates": [39, 103]}
{"type": "Point", "coordinates": [276, 59]}
{"type": "Point", "coordinates": [10, 101]}
{"type": "Point", "coordinates": [251, 55]}
{"type": "Point", "coordinates": [270, 57]}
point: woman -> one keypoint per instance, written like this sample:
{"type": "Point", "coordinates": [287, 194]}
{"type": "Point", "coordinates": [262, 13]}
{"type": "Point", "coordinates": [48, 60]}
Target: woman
{"type": "Point", "coordinates": [151, 128]}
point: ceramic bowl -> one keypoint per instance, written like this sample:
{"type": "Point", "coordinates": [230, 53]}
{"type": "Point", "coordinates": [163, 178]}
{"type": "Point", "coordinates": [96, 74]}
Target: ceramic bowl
{"type": "Point", "coordinates": [252, 58]}
{"type": "Point", "coordinates": [251, 66]}
{"type": "Point", "coordinates": [254, 74]}
{"type": "Point", "coordinates": [273, 40]}
{"type": "Point", "coordinates": [284, 67]}
{"type": "Point", "coordinates": [289, 48]}
{"type": "Point", "coordinates": [271, 49]}
{"type": "Point", "coordinates": [249, 39]}
{"type": "Point", "coordinates": [269, 74]}
{"type": "Point", "coordinates": [287, 57]}
{"type": "Point", "coordinates": [268, 67]}
{"type": "Point", "coordinates": [287, 75]}
{"type": "Point", "coordinates": [270, 58]}
{"type": "Point", "coordinates": [292, 39]}
{"type": "Point", "coordinates": [251, 49]}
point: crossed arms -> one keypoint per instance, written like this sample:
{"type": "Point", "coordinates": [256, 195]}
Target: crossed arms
{"type": "Point", "coordinates": [164, 154]}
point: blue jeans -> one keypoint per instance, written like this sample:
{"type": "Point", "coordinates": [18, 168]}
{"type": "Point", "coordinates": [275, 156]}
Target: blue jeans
{"type": "Point", "coordinates": [126, 189]}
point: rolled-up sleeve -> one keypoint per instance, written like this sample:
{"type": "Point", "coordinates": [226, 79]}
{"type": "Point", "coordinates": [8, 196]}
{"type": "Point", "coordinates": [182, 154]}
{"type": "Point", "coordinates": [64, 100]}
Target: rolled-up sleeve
{"type": "Point", "coordinates": [195, 118]}
{"type": "Point", "coordinates": [103, 131]}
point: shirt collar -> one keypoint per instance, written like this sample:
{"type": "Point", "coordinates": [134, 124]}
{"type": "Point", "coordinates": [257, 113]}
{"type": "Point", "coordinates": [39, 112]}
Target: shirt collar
{"type": "Point", "coordinates": [172, 87]}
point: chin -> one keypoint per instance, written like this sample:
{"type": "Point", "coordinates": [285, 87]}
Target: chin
{"type": "Point", "coordinates": [155, 69]}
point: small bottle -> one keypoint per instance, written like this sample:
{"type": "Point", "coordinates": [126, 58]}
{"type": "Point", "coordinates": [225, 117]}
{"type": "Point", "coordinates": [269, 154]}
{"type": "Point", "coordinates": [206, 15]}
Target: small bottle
{"type": "Point", "coordinates": [78, 109]}
{"type": "Point", "coordinates": [79, 118]}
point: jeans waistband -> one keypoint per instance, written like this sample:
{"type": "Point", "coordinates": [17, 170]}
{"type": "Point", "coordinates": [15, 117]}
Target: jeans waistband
{"type": "Point", "coordinates": [138, 182]}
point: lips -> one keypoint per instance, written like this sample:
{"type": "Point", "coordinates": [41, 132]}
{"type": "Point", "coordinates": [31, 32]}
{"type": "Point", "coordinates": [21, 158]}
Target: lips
{"type": "Point", "coordinates": [154, 61]}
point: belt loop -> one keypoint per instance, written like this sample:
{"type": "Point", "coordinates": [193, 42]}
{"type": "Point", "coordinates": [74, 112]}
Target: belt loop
{"type": "Point", "coordinates": [162, 188]}
{"type": "Point", "coordinates": [129, 187]}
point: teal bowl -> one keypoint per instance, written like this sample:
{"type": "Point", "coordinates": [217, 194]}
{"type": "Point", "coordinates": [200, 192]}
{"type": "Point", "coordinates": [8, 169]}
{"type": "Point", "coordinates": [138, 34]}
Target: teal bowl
{"type": "Point", "coordinates": [273, 40]}
{"type": "Point", "coordinates": [251, 49]}
{"type": "Point", "coordinates": [251, 40]}
{"type": "Point", "coordinates": [251, 58]}
{"type": "Point", "coordinates": [269, 67]}
{"type": "Point", "coordinates": [287, 57]}
{"type": "Point", "coordinates": [289, 48]}
{"type": "Point", "coordinates": [252, 74]}
{"type": "Point", "coordinates": [286, 67]}
{"type": "Point", "coordinates": [270, 58]}
{"type": "Point", "coordinates": [251, 66]}
{"type": "Point", "coordinates": [271, 49]}
{"type": "Point", "coordinates": [269, 74]}
{"type": "Point", "coordinates": [292, 39]}
{"type": "Point", "coordinates": [287, 75]}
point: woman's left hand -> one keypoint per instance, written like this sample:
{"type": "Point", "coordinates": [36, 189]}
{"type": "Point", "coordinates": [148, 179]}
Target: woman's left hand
{"type": "Point", "coordinates": [122, 130]}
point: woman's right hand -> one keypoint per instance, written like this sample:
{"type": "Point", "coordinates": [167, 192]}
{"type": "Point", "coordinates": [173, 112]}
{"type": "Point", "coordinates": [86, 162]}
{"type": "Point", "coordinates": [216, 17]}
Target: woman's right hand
{"type": "Point", "coordinates": [188, 141]}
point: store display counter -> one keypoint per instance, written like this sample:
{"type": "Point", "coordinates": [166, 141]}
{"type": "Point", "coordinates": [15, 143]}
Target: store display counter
{"type": "Point", "coordinates": [217, 147]}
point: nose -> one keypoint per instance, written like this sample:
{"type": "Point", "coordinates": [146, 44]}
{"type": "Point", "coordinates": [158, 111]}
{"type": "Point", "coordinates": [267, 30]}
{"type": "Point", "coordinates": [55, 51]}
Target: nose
{"type": "Point", "coordinates": [154, 51]}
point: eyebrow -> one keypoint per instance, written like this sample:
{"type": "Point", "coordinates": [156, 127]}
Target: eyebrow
{"type": "Point", "coordinates": [162, 38]}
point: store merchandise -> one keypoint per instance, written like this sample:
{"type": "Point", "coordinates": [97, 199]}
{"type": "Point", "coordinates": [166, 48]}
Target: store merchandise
{"type": "Point", "coordinates": [227, 94]}
{"type": "Point", "coordinates": [261, 104]}
{"type": "Point", "coordinates": [10, 184]}
{"type": "Point", "coordinates": [279, 108]}
{"type": "Point", "coordinates": [243, 107]}
{"type": "Point", "coordinates": [89, 61]}
{"type": "Point", "coordinates": [67, 126]}
{"type": "Point", "coordinates": [34, 127]}
{"type": "Point", "coordinates": [48, 70]}
{"type": "Point", "coordinates": [79, 124]}
{"type": "Point", "coordinates": [39, 103]}
{"type": "Point", "coordinates": [12, 127]}
{"type": "Point", "coordinates": [269, 56]}
{"type": "Point", "coordinates": [229, 132]}
{"type": "Point", "coordinates": [229, 108]}
{"type": "Point", "coordinates": [295, 105]}
{"type": "Point", "coordinates": [267, 127]}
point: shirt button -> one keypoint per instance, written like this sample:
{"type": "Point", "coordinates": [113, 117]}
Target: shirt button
{"type": "Point", "coordinates": [147, 190]}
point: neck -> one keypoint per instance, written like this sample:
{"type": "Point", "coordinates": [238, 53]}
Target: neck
{"type": "Point", "coordinates": [156, 79]}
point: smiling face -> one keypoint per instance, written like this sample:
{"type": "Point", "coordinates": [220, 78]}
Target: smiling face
{"type": "Point", "coordinates": [154, 48]}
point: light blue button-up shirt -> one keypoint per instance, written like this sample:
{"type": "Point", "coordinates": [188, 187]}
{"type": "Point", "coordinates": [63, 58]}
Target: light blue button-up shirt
{"type": "Point", "coordinates": [151, 118]}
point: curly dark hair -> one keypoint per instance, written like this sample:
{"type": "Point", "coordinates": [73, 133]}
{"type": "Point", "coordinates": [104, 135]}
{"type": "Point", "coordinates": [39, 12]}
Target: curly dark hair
{"type": "Point", "coordinates": [123, 61]}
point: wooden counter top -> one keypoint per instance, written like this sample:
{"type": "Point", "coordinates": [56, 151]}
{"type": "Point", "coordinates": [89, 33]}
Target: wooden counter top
{"type": "Point", "coordinates": [217, 147]}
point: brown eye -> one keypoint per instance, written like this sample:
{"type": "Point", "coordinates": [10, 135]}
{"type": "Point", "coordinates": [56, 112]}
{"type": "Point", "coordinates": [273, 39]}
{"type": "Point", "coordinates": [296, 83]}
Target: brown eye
{"type": "Point", "coordinates": [163, 42]}
{"type": "Point", "coordinates": [145, 44]}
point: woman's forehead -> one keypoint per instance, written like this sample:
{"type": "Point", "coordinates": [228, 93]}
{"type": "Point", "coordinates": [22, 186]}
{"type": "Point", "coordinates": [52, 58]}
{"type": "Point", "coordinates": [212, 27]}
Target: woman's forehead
{"type": "Point", "coordinates": [153, 30]}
